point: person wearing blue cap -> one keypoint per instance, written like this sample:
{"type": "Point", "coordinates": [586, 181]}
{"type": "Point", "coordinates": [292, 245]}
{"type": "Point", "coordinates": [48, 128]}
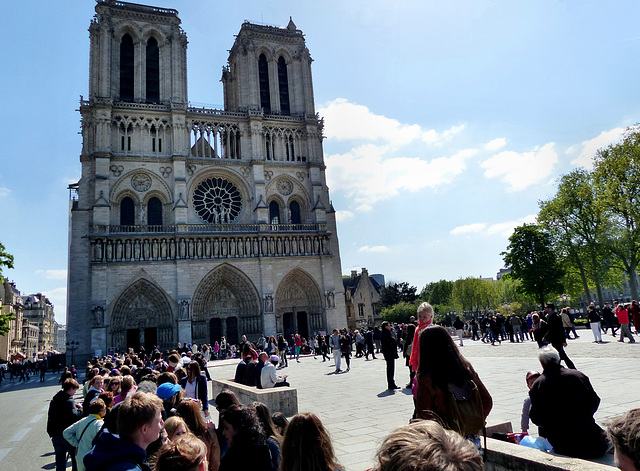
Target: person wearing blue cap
{"type": "Point", "coordinates": [169, 393]}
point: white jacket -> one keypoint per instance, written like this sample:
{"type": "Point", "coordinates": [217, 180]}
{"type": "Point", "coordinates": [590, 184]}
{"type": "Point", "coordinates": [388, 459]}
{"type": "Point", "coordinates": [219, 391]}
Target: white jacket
{"type": "Point", "coordinates": [72, 434]}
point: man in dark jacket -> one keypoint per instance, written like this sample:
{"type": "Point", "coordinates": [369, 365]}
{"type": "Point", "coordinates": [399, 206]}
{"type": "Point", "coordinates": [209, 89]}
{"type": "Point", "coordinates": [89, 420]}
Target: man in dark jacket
{"type": "Point", "coordinates": [139, 424]}
{"type": "Point", "coordinates": [562, 406]}
{"type": "Point", "coordinates": [63, 412]}
{"type": "Point", "coordinates": [555, 336]}
{"type": "Point", "coordinates": [389, 347]}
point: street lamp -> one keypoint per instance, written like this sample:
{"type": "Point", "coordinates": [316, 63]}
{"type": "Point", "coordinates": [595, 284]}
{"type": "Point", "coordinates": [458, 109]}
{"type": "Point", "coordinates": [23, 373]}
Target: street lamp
{"type": "Point", "coordinates": [73, 346]}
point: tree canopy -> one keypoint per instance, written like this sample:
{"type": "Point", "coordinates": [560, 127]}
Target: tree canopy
{"type": "Point", "coordinates": [6, 261]}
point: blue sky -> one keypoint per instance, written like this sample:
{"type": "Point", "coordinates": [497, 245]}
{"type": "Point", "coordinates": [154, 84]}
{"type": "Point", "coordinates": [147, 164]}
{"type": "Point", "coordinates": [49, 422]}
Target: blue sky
{"type": "Point", "coordinates": [445, 122]}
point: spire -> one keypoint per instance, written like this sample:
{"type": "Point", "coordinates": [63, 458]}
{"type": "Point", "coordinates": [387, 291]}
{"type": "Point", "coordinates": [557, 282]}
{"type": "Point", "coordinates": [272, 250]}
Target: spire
{"type": "Point", "coordinates": [291, 26]}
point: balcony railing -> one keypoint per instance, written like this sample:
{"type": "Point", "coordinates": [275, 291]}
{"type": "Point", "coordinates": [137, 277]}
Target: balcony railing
{"type": "Point", "coordinates": [208, 229]}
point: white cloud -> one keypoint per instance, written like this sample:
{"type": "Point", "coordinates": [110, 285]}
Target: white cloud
{"type": "Point", "coordinates": [57, 296]}
{"type": "Point", "coordinates": [4, 191]}
{"type": "Point", "coordinates": [350, 121]}
{"type": "Point", "coordinates": [374, 249]}
{"type": "Point", "coordinates": [521, 170]}
{"type": "Point", "coordinates": [496, 144]}
{"type": "Point", "coordinates": [367, 175]}
{"type": "Point", "coordinates": [468, 229]}
{"type": "Point", "coordinates": [343, 216]}
{"type": "Point", "coordinates": [53, 274]}
{"type": "Point", "coordinates": [503, 229]}
{"type": "Point", "coordinates": [587, 149]}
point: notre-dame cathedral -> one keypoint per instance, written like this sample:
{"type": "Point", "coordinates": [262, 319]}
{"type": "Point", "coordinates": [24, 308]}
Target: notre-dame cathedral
{"type": "Point", "coordinates": [189, 224]}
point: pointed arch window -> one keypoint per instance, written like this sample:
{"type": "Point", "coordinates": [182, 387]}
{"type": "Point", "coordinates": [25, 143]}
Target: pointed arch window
{"type": "Point", "coordinates": [263, 75]}
{"type": "Point", "coordinates": [294, 207]}
{"type": "Point", "coordinates": [126, 68]}
{"type": "Point", "coordinates": [127, 212]}
{"type": "Point", "coordinates": [154, 212]}
{"type": "Point", "coordinates": [283, 86]}
{"type": "Point", "coordinates": [153, 71]}
{"type": "Point", "coordinates": [274, 212]}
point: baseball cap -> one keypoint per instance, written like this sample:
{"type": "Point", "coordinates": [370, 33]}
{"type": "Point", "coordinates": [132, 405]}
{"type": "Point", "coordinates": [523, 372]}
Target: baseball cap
{"type": "Point", "coordinates": [166, 390]}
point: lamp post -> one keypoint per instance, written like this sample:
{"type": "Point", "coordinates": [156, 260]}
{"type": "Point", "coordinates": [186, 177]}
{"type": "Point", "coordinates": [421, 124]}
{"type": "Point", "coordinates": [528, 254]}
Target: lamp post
{"type": "Point", "coordinates": [73, 346]}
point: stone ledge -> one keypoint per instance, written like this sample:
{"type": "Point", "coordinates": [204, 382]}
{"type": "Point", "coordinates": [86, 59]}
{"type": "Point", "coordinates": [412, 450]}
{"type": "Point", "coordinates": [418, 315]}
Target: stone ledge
{"type": "Point", "coordinates": [504, 456]}
{"type": "Point", "coordinates": [283, 400]}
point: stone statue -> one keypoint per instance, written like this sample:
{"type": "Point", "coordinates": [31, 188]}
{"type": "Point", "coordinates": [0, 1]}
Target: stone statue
{"type": "Point", "coordinates": [268, 303]}
{"type": "Point", "coordinates": [184, 310]}
{"type": "Point", "coordinates": [331, 302]}
{"type": "Point", "coordinates": [98, 316]}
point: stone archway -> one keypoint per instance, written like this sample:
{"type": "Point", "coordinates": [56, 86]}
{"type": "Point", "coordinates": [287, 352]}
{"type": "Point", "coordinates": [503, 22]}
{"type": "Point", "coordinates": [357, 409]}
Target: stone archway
{"type": "Point", "coordinates": [143, 310]}
{"type": "Point", "coordinates": [225, 293]}
{"type": "Point", "coordinates": [298, 304]}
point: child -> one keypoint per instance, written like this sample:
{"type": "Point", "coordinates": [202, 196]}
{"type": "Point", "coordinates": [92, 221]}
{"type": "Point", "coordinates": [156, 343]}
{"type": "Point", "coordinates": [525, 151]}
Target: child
{"type": "Point", "coordinates": [526, 407]}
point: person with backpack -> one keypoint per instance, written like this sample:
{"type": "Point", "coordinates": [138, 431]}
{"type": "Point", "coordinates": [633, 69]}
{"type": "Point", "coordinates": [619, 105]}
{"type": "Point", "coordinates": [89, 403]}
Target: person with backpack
{"type": "Point", "coordinates": [448, 388]}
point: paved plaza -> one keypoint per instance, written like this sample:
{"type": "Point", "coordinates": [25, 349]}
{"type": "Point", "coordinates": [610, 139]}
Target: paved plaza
{"type": "Point", "coordinates": [359, 411]}
{"type": "Point", "coordinates": [355, 406]}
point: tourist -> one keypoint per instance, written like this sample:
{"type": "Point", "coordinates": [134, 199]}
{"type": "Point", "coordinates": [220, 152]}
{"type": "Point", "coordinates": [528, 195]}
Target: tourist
{"type": "Point", "coordinates": [282, 348]}
{"type": "Point", "coordinates": [81, 434]}
{"type": "Point", "coordinates": [139, 425]}
{"type": "Point", "coordinates": [170, 395]}
{"type": "Point", "coordinates": [609, 319]}
{"type": "Point", "coordinates": [174, 427]}
{"type": "Point", "coordinates": [186, 453]}
{"type": "Point", "coordinates": [307, 446]}
{"type": "Point", "coordinates": [368, 340]}
{"type": "Point", "coordinates": [526, 407]}
{"type": "Point", "coordinates": [280, 421]}
{"type": "Point", "coordinates": [539, 329]}
{"type": "Point", "coordinates": [268, 376]}
{"type": "Point", "coordinates": [195, 386]}
{"type": "Point", "coordinates": [556, 334]}
{"type": "Point", "coordinates": [622, 313]}
{"type": "Point", "coordinates": [334, 343]}
{"type": "Point", "coordinates": [273, 437]}
{"type": "Point", "coordinates": [594, 323]}
{"type": "Point", "coordinates": [63, 412]}
{"type": "Point", "coordinates": [127, 386]}
{"type": "Point", "coordinates": [569, 427]}
{"type": "Point", "coordinates": [634, 310]}
{"type": "Point", "coordinates": [114, 385]}
{"type": "Point", "coordinates": [441, 369]}
{"type": "Point", "coordinates": [426, 445]}
{"type": "Point", "coordinates": [624, 432]}
{"type": "Point", "coordinates": [459, 326]}
{"type": "Point", "coordinates": [345, 348]}
{"type": "Point", "coordinates": [247, 444]}
{"type": "Point", "coordinates": [389, 345]}
{"type": "Point", "coordinates": [189, 410]}
{"type": "Point", "coordinates": [406, 352]}
{"type": "Point", "coordinates": [95, 388]}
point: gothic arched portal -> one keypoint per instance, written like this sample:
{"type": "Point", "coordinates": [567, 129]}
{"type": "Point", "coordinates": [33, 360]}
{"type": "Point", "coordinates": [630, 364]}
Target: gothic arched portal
{"type": "Point", "coordinates": [225, 303]}
{"type": "Point", "coordinates": [141, 315]}
{"type": "Point", "coordinates": [298, 304]}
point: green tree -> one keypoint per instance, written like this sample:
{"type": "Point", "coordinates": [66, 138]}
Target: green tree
{"type": "Point", "coordinates": [617, 173]}
{"type": "Point", "coordinates": [438, 294]}
{"type": "Point", "coordinates": [6, 261]}
{"type": "Point", "coordinates": [400, 312]}
{"type": "Point", "coordinates": [394, 293]}
{"type": "Point", "coordinates": [474, 294]}
{"type": "Point", "coordinates": [575, 221]}
{"type": "Point", "coordinates": [533, 262]}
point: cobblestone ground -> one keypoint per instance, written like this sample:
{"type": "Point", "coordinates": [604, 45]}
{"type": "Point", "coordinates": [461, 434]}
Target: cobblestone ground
{"type": "Point", "coordinates": [358, 410]}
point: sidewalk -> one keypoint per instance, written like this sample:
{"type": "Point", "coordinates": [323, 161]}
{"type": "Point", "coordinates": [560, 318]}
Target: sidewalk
{"type": "Point", "coordinates": [358, 410]}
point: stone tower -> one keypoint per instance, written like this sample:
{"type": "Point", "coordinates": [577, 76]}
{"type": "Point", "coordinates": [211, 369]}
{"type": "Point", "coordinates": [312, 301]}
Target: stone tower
{"type": "Point", "coordinates": [189, 224]}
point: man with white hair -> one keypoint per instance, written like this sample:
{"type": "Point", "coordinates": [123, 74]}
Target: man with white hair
{"type": "Point", "coordinates": [562, 406]}
{"type": "Point", "coordinates": [268, 376]}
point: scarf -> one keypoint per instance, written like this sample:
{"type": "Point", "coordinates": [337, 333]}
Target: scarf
{"type": "Point", "coordinates": [414, 360]}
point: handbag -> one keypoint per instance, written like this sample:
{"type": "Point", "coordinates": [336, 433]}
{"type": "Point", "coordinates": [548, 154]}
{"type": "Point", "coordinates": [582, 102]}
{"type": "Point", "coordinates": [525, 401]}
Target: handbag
{"type": "Point", "coordinates": [82, 434]}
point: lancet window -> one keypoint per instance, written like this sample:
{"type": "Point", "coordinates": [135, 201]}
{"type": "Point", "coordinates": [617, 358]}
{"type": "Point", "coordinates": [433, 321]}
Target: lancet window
{"type": "Point", "coordinates": [127, 212]}
{"type": "Point", "coordinates": [153, 71]}
{"type": "Point", "coordinates": [126, 68]}
{"type": "Point", "coordinates": [283, 87]}
{"type": "Point", "coordinates": [263, 76]}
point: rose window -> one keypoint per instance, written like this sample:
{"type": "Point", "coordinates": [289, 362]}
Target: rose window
{"type": "Point", "coordinates": [217, 201]}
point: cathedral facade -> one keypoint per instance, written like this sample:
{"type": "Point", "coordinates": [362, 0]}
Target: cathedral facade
{"type": "Point", "coordinates": [189, 224]}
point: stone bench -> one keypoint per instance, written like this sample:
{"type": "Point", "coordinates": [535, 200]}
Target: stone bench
{"type": "Point", "coordinates": [283, 400]}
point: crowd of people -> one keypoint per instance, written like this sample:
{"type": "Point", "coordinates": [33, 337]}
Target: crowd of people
{"type": "Point", "coordinates": [151, 410]}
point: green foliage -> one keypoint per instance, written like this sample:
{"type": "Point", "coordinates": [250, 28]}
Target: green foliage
{"type": "Point", "coordinates": [533, 262]}
{"type": "Point", "coordinates": [6, 260]}
{"type": "Point", "coordinates": [394, 293]}
{"type": "Point", "coordinates": [400, 312]}
{"type": "Point", "coordinates": [438, 292]}
{"type": "Point", "coordinates": [474, 294]}
{"type": "Point", "coordinates": [617, 172]}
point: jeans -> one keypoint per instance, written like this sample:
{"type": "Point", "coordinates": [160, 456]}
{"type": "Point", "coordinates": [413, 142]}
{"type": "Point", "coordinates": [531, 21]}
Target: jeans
{"type": "Point", "coordinates": [337, 354]}
{"type": "Point", "coordinates": [61, 447]}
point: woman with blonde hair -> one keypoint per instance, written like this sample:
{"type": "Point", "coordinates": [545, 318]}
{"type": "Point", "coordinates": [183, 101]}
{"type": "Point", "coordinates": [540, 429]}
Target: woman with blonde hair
{"type": "Point", "coordinates": [175, 426]}
{"type": "Point", "coordinates": [127, 386]}
{"type": "Point", "coordinates": [307, 446]}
